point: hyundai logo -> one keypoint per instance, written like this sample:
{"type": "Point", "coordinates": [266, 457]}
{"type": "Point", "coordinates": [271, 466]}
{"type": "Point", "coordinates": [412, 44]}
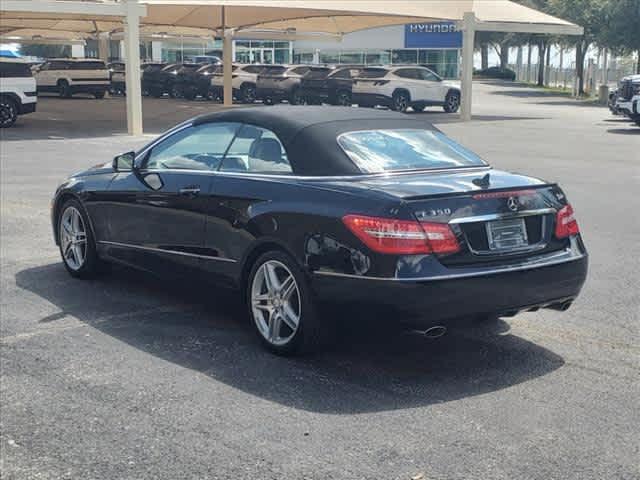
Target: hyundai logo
{"type": "Point", "coordinates": [512, 203]}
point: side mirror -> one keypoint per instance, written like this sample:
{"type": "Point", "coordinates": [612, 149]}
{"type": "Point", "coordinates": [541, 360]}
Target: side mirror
{"type": "Point", "coordinates": [125, 162]}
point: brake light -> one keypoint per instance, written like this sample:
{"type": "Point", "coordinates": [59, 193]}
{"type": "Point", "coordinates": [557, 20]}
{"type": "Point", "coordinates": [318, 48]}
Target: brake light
{"type": "Point", "coordinates": [566, 223]}
{"type": "Point", "coordinates": [402, 237]}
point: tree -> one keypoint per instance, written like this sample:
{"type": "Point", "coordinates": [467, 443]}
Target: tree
{"type": "Point", "coordinates": [45, 51]}
{"type": "Point", "coordinates": [622, 30]}
{"type": "Point", "coordinates": [592, 16]}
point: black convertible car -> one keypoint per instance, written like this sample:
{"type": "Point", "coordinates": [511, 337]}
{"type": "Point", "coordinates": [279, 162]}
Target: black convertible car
{"type": "Point", "coordinates": [296, 206]}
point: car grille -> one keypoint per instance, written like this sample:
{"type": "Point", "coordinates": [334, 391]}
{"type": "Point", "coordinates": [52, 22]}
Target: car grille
{"type": "Point", "coordinates": [626, 90]}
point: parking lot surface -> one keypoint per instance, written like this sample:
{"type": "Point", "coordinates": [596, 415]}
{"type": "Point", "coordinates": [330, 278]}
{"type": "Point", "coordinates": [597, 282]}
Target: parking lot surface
{"type": "Point", "coordinates": [132, 377]}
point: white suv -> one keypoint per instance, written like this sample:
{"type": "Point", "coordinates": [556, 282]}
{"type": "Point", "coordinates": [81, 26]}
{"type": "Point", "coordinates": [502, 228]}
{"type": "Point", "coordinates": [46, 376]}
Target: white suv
{"type": "Point", "coordinates": [405, 86]}
{"type": "Point", "coordinates": [244, 79]}
{"type": "Point", "coordinates": [17, 90]}
{"type": "Point", "coordinates": [67, 76]}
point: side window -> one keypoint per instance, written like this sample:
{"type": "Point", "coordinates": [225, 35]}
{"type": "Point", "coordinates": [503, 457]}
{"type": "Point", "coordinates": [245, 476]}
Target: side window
{"type": "Point", "coordinates": [253, 69]}
{"type": "Point", "coordinates": [300, 70]}
{"type": "Point", "coordinates": [425, 74]}
{"type": "Point", "coordinates": [256, 150]}
{"type": "Point", "coordinates": [406, 73]}
{"type": "Point", "coordinates": [56, 65]}
{"type": "Point", "coordinates": [195, 148]}
{"type": "Point", "coordinates": [14, 70]}
{"type": "Point", "coordinates": [341, 74]}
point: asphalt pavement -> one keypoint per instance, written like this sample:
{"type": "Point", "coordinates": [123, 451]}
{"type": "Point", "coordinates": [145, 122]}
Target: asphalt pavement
{"type": "Point", "coordinates": [133, 377]}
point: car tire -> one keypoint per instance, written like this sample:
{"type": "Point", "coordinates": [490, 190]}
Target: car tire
{"type": "Point", "coordinates": [190, 94]}
{"type": "Point", "coordinates": [419, 107]}
{"type": "Point", "coordinates": [76, 242]}
{"type": "Point", "coordinates": [248, 93]}
{"type": "Point", "coordinates": [64, 90]}
{"type": "Point", "coordinates": [296, 98]}
{"type": "Point", "coordinates": [8, 112]}
{"type": "Point", "coordinates": [99, 95]}
{"type": "Point", "coordinates": [175, 92]}
{"type": "Point", "coordinates": [281, 306]}
{"type": "Point", "coordinates": [343, 98]}
{"type": "Point", "coordinates": [268, 101]}
{"type": "Point", "coordinates": [400, 101]}
{"type": "Point", "coordinates": [451, 102]}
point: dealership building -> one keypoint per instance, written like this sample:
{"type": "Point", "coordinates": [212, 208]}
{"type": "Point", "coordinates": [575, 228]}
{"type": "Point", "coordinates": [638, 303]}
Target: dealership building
{"type": "Point", "coordinates": [436, 45]}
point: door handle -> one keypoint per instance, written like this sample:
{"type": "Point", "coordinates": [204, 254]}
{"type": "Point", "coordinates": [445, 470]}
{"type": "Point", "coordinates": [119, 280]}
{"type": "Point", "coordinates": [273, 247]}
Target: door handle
{"type": "Point", "coordinates": [189, 191]}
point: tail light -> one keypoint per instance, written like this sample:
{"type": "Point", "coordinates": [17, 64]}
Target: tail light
{"type": "Point", "coordinates": [566, 223]}
{"type": "Point", "coordinates": [402, 237]}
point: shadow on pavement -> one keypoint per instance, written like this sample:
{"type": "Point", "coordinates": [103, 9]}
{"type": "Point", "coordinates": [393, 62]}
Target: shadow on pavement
{"type": "Point", "coordinates": [372, 366]}
{"type": "Point", "coordinates": [625, 131]}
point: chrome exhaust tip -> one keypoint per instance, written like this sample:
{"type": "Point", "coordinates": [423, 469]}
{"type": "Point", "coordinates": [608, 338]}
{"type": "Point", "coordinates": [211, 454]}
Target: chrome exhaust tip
{"type": "Point", "coordinates": [563, 307]}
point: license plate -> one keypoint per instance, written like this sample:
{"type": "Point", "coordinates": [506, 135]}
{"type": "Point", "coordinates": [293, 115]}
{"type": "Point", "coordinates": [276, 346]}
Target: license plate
{"type": "Point", "coordinates": [507, 234]}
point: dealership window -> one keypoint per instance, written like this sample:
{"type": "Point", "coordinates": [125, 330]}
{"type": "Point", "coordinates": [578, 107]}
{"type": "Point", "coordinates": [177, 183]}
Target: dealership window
{"type": "Point", "coordinates": [404, 56]}
{"type": "Point", "coordinates": [262, 51]}
{"type": "Point", "coordinates": [181, 49]}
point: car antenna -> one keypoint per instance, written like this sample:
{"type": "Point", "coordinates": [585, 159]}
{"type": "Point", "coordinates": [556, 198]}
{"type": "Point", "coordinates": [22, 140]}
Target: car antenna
{"type": "Point", "coordinates": [483, 182]}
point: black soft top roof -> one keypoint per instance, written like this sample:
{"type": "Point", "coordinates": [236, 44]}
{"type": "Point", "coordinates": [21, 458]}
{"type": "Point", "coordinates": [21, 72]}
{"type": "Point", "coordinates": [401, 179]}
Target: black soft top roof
{"type": "Point", "coordinates": [309, 134]}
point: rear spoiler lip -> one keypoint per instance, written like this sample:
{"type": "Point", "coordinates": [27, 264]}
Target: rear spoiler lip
{"type": "Point", "coordinates": [529, 189]}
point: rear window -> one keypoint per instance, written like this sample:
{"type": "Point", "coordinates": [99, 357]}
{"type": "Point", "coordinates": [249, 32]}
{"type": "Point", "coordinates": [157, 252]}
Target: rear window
{"type": "Point", "coordinates": [88, 66]}
{"type": "Point", "coordinates": [15, 69]}
{"type": "Point", "coordinates": [378, 151]}
{"type": "Point", "coordinates": [373, 72]}
{"type": "Point", "coordinates": [315, 73]}
{"type": "Point", "coordinates": [253, 68]}
{"type": "Point", "coordinates": [273, 70]}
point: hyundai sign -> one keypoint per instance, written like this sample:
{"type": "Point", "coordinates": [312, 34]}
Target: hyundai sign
{"type": "Point", "coordinates": [432, 35]}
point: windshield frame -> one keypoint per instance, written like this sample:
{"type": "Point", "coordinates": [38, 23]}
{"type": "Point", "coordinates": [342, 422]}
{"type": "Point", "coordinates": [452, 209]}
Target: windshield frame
{"type": "Point", "coordinates": [483, 163]}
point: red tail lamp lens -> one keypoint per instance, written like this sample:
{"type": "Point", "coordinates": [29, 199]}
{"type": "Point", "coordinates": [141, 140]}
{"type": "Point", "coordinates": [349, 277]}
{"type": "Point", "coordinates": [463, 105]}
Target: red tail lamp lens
{"type": "Point", "coordinates": [402, 237]}
{"type": "Point", "coordinates": [566, 223]}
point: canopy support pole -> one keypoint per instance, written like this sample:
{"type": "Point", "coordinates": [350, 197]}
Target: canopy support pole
{"type": "Point", "coordinates": [132, 67]}
{"type": "Point", "coordinates": [227, 67]}
{"type": "Point", "coordinates": [468, 34]}
{"type": "Point", "coordinates": [227, 62]}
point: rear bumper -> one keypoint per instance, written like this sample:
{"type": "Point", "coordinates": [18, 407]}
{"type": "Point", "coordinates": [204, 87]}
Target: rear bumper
{"type": "Point", "coordinates": [90, 88]}
{"type": "Point", "coordinates": [429, 301]}
{"type": "Point", "coordinates": [28, 108]}
{"type": "Point", "coordinates": [370, 99]}
{"type": "Point", "coordinates": [275, 93]}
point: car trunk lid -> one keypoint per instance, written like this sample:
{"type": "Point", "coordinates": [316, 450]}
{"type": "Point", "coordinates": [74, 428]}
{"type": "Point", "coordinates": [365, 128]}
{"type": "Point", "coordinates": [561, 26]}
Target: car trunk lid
{"type": "Point", "coordinates": [497, 216]}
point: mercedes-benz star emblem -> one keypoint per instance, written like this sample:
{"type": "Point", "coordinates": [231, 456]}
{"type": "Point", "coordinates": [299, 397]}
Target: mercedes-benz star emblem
{"type": "Point", "coordinates": [512, 203]}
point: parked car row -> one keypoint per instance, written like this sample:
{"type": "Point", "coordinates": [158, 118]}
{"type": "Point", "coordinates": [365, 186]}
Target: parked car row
{"type": "Point", "coordinates": [396, 87]}
{"type": "Point", "coordinates": [626, 99]}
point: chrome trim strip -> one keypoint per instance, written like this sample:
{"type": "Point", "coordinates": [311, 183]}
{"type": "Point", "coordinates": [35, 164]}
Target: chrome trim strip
{"type": "Point", "coordinates": [319, 177]}
{"type": "Point", "coordinates": [498, 216]}
{"type": "Point", "coordinates": [160, 250]}
{"type": "Point", "coordinates": [454, 276]}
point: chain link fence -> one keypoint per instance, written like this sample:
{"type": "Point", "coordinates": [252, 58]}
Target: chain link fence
{"type": "Point", "coordinates": [595, 75]}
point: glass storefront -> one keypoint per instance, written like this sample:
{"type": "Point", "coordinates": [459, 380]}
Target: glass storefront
{"type": "Point", "coordinates": [179, 50]}
{"type": "Point", "coordinates": [442, 61]}
{"type": "Point", "coordinates": [262, 51]}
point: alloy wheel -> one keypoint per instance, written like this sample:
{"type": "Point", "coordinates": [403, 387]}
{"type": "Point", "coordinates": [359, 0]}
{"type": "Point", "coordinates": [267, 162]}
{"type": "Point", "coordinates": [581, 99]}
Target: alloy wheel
{"type": "Point", "coordinates": [249, 94]}
{"type": "Point", "coordinates": [401, 102]}
{"type": "Point", "coordinates": [275, 303]}
{"type": "Point", "coordinates": [8, 113]}
{"type": "Point", "coordinates": [453, 102]}
{"type": "Point", "coordinates": [344, 99]}
{"type": "Point", "coordinates": [73, 238]}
